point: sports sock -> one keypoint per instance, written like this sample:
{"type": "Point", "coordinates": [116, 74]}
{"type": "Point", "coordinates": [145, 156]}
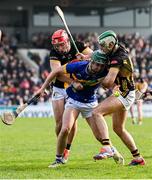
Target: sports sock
{"type": "Point", "coordinates": [135, 153]}
{"type": "Point", "coordinates": [68, 146]}
{"type": "Point", "coordinates": [105, 142]}
{"type": "Point", "coordinates": [58, 157]}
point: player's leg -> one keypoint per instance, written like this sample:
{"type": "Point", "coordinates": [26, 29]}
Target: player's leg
{"type": "Point", "coordinates": [119, 119]}
{"type": "Point", "coordinates": [69, 117]}
{"type": "Point", "coordinates": [98, 133]}
{"type": "Point", "coordinates": [106, 151]}
{"type": "Point", "coordinates": [58, 102]}
{"type": "Point", "coordinates": [58, 109]}
{"type": "Point", "coordinates": [139, 109]}
{"type": "Point", "coordinates": [104, 108]}
{"type": "Point", "coordinates": [71, 136]}
{"type": "Point", "coordinates": [132, 114]}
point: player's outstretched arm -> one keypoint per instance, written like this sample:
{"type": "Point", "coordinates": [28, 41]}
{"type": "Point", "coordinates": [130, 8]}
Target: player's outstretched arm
{"type": "Point", "coordinates": [64, 78]}
{"type": "Point", "coordinates": [58, 72]}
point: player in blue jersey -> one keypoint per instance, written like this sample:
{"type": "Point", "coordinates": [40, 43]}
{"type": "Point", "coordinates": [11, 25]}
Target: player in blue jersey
{"type": "Point", "coordinates": [86, 78]}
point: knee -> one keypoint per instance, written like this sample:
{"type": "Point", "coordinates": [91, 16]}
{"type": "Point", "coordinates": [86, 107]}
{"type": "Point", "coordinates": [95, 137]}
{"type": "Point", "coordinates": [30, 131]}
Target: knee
{"type": "Point", "coordinates": [65, 131]}
{"type": "Point", "coordinates": [58, 127]}
{"type": "Point", "coordinates": [118, 130]}
{"type": "Point", "coordinates": [58, 119]}
{"type": "Point", "coordinates": [96, 113]}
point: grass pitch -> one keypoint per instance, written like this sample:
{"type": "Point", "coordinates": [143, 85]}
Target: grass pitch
{"type": "Point", "coordinates": [28, 147]}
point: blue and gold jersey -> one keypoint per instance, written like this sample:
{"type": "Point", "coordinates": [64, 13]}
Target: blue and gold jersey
{"type": "Point", "coordinates": [90, 82]}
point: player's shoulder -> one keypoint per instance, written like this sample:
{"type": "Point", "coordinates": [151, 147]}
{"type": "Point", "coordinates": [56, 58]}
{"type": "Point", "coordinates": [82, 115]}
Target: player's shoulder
{"type": "Point", "coordinates": [118, 56]}
{"type": "Point", "coordinates": [53, 51]}
{"type": "Point", "coordinates": [54, 55]}
{"type": "Point", "coordinates": [76, 67]}
{"type": "Point", "coordinates": [79, 63]}
{"type": "Point", "coordinates": [122, 51]}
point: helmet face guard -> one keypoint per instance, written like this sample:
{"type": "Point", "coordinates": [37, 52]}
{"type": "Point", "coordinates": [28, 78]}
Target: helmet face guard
{"type": "Point", "coordinates": [60, 41]}
{"type": "Point", "coordinates": [99, 57]}
{"type": "Point", "coordinates": [106, 38]}
{"type": "Point", "coordinates": [98, 62]}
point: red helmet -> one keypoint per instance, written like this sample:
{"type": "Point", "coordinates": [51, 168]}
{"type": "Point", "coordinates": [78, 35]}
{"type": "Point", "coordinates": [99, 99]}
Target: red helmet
{"type": "Point", "coordinates": [59, 36]}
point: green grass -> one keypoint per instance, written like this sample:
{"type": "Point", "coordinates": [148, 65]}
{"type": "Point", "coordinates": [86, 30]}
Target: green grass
{"type": "Point", "coordinates": [28, 147]}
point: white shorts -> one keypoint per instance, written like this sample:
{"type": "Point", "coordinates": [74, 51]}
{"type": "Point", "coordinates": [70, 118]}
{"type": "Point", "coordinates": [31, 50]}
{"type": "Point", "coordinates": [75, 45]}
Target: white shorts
{"type": "Point", "coordinates": [58, 93]}
{"type": "Point", "coordinates": [128, 100]}
{"type": "Point", "coordinates": [84, 108]}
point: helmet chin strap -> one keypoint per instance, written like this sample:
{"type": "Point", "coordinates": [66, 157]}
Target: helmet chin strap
{"type": "Point", "coordinates": [112, 50]}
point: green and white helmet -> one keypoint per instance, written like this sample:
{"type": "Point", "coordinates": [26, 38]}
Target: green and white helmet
{"type": "Point", "coordinates": [99, 57]}
{"type": "Point", "coordinates": [107, 37]}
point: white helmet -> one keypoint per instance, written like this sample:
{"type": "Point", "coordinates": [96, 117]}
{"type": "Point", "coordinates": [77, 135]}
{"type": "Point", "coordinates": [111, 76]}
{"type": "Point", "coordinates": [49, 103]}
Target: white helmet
{"type": "Point", "coordinates": [107, 37]}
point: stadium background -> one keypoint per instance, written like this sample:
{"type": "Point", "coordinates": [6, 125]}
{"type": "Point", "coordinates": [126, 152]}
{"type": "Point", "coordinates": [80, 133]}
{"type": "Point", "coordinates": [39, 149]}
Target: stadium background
{"type": "Point", "coordinates": [27, 147]}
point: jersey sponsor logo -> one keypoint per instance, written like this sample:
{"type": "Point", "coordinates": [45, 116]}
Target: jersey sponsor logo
{"type": "Point", "coordinates": [114, 62]}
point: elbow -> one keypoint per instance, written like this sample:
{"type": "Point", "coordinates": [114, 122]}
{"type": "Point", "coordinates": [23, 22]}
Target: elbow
{"type": "Point", "coordinates": [108, 84]}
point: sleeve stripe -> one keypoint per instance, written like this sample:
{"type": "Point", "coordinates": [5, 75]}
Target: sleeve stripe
{"type": "Point", "coordinates": [64, 68]}
{"type": "Point", "coordinates": [54, 60]}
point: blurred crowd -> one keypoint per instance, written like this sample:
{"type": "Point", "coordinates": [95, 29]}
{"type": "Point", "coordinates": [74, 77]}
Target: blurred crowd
{"type": "Point", "coordinates": [18, 81]}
